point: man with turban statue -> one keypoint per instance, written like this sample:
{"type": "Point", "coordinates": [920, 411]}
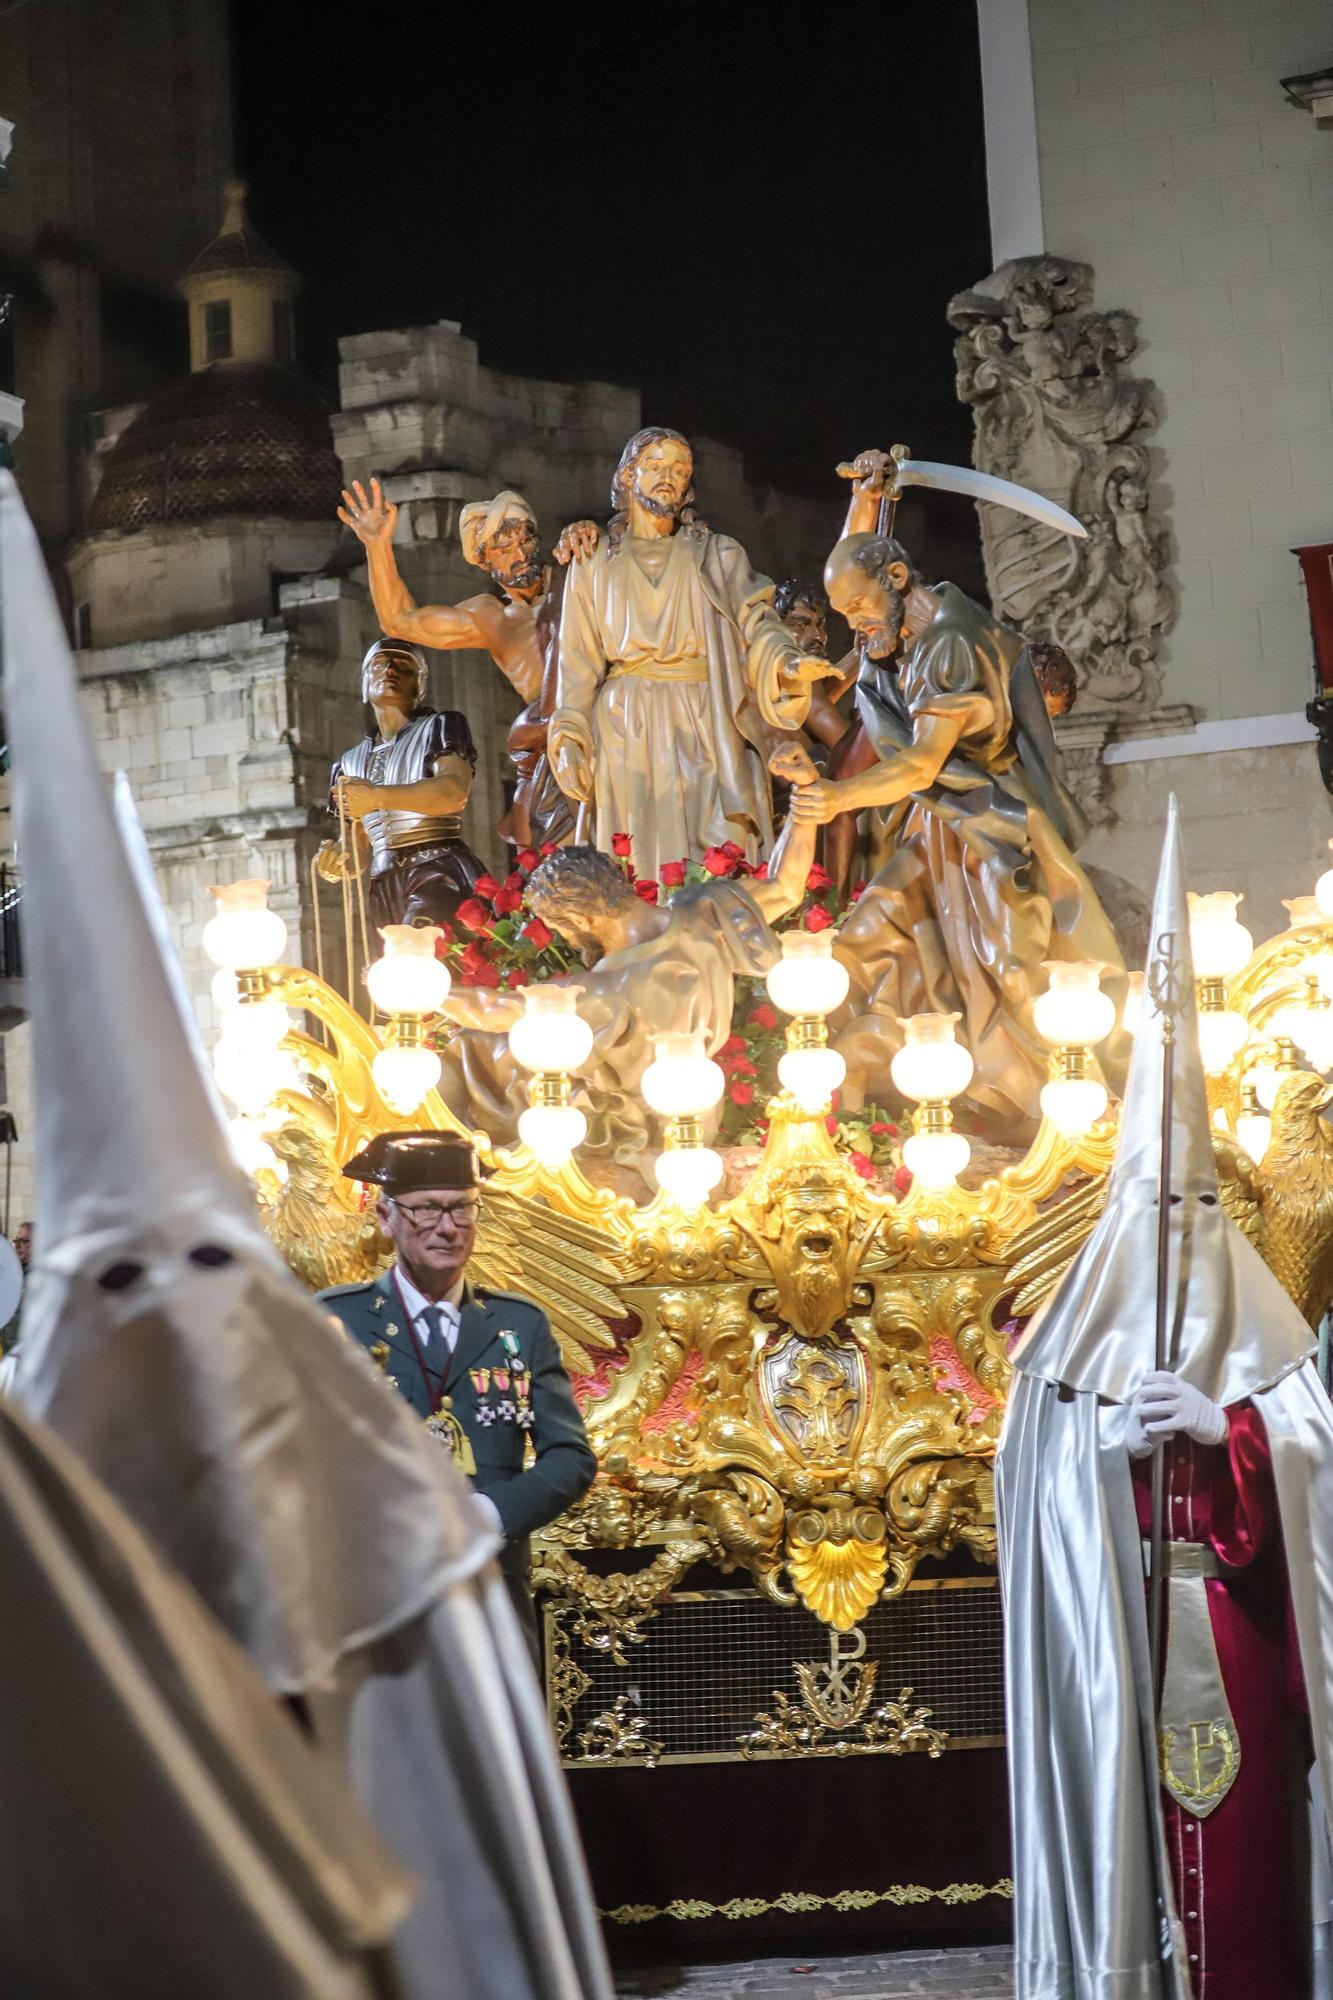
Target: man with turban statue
{"type": "Point", "coordinates": [517, 628]}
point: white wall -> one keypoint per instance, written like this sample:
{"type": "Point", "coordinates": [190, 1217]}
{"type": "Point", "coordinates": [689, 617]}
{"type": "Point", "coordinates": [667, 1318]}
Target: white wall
{"type": "Point", "coordinates": [1171, 161]}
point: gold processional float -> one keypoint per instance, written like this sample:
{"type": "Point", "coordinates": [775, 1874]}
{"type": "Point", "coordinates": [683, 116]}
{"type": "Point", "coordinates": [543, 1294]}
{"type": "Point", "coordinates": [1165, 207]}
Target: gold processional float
{"type": "Point", "coordinates": [805, 1381]}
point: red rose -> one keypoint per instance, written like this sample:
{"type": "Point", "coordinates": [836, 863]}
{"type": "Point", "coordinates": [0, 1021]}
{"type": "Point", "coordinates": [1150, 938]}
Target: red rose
{"type": "Point", "coordinates": [831, 1126]}
{"type": "Point", "coordinates": [646, 891]}
{"type": "Point", "coordinates": [865, 1167]}
{"type": "Point", "coordinates": [819, 877]}
{"type": "Point", "coordinates": [476, 916]}
{"type": "Point", "coordinates": [475, 968]}
{"type": "Point", "coordinates": [762, 1016]}
{"type": "Point", "coordinates": [486, 885]}
{"type": "Point", "coordinates": [858, 892]}
{"type": "Point", "coordinates": [718, 862]}
{"type": "Point", "coordinates": [741, 1093]}
{"type": "Point", "coordinates": [879, 1130]}
{"type": "Point", "coordinates": [817, 918]}
{"type": "Point", "coordinates": [444, 940]}
{"type": "Point", "coordinates": [730, 848]}
{"type": "Point", "coordinates": [506, 900]}
{"type": "Point", "coordinates": [672, 874]}
{"type": "Point", "coordinates": [526, 859]}
{"type": "Point", "coordinates": [517, 975]}
{"type": "Point", "coordinates": [547, 847]}
{"type": "Point", "coordinates": [761, 872]}
{"type": "Point", "coordinates": [537, 933]}
{"type": "Point", "coordinates": [621, 844]}
{"type": "Point", "coordinates": [736, 1064]}
{"type": "Point", "coordinates": [733, 1046]}
{"type": "Point", "coordinates": [902, 1180]}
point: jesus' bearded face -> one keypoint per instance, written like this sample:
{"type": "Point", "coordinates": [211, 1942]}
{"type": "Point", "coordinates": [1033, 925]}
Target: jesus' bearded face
{"type": "Point", "coordinates": [661, 477]}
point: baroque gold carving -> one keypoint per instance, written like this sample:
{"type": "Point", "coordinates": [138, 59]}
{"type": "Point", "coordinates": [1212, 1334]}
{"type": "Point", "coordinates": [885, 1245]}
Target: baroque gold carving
{"type": "Point", "coordinates": [619, 1732]}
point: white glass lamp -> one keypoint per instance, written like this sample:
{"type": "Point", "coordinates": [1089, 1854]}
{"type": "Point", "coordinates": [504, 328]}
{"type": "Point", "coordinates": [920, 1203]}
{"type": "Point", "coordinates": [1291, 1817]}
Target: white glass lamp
{"type": "Point", "coordinates": [1220, 946]}
{"type": "Point", "coordinates": [1307, 1021]}
{"type": "Point", "coordinates": [932, 1068]}
{"type": "Point", "coordinates": [245, 935]}
{"type": "Point", "coordinates": [549, 1039]}
{"type": "Point", "coordinates": [807, 983]}
{"type": "Point", "coordinates": [1279, 1061]}
{"type": "Point", "coordinates": [409, 984]}
{"type": "Point", "coordinates": [408, 978]}
{"type": "Point", "coordinates": [1254, 1126]}
{"type": "Point", "coordinates": [1071, 1015]}
{"type": "Point", "coordinates": [1323, 892]}
{"type": "Point", "coordinates": [681, 1084]}
{"type": "Point", "coordinates": [1133, 1015]}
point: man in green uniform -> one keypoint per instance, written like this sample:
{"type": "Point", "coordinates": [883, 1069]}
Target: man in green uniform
{"type": "Point", "coordinates": [482, 1367]}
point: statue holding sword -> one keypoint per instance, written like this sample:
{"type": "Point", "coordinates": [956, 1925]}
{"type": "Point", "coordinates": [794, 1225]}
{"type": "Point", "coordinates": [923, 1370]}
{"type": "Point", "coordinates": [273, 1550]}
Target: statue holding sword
{"type": "Point", "coordinates": [973, 883]}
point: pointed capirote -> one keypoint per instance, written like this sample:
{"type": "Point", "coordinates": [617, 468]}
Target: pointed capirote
{"type": "Point", "coordinates": [109, 1116]}
{"type": "Point", "coordinates": [135, 843]}
{"type": "Point", "coordinates": [1232, 1329]}
{"type": "Point", "coordinates": [1170, 964]}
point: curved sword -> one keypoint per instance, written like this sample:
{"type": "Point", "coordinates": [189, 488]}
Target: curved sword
{"type": "Point", "coordinates": [978, 486]}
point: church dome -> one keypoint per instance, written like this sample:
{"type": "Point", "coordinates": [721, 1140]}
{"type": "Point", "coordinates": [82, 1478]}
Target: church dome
{"type": "Point", "coordinates": [241, 438]}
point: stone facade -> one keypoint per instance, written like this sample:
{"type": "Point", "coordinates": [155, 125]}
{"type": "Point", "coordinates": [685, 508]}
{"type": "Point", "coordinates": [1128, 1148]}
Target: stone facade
{"type": "Point", "coordinates": [1155, 146]}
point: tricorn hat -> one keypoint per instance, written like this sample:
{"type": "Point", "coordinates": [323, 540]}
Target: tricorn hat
{"type": "Point", "coordinates": [403, 1162]}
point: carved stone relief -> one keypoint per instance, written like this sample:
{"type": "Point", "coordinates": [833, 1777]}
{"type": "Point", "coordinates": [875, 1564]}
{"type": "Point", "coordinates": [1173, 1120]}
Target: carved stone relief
{"type": "Point", "coordinates": [1056, 408]}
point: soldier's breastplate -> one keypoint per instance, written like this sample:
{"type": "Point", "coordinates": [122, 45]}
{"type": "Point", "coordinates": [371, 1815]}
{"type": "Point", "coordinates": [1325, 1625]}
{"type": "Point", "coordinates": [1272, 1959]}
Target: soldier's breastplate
{"type": "Point", "coordinates": [403, 760]}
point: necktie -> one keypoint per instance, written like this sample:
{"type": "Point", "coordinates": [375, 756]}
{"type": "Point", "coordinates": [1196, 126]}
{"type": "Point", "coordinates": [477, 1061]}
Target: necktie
{"type": "Point", "coordinates": [437, 1347]}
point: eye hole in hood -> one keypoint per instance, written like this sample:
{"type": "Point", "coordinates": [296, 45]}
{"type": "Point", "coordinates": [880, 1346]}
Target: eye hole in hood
{"type": "Point", "coordinates": [211, 1255]}
{"type": "Point", "coordinates": [118, 1277]}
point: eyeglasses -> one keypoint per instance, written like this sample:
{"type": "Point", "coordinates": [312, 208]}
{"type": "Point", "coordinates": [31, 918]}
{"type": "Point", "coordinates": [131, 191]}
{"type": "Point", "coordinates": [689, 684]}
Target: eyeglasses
{"type": "Point", "coordinates": [430, 1214]}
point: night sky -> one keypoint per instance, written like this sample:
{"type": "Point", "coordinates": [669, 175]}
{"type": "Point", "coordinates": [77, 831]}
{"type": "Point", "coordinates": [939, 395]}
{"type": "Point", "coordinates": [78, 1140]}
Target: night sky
{"type": "Point", "coordinates": [756, 210]}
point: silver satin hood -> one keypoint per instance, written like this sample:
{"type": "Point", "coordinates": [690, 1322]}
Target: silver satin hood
{"type": "Point", "coordinates": [1232, 1328]}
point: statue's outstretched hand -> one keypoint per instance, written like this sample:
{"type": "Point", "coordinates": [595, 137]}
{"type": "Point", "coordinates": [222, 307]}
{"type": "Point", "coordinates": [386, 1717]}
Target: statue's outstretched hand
{"type": "Point", "coordinates": [573, 770]}
{"type": "Point", "coordinates": [793, 764]}
{"type": "Point", "coordinates": [816, 803]}
{"type": "Point", "coordinates": [811, 667]}
{"type": "Point", "coordinates": [578, 541]}
{"type": "Point", "coordinates": [329, 861]}
{"type": "Point", "coordinates": [372, 519]}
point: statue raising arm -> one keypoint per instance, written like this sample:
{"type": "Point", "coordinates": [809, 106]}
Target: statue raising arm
{"type": "Point", "coordinates": [868, 470]}
{"type": "Point", "coordinates": [444, 627]}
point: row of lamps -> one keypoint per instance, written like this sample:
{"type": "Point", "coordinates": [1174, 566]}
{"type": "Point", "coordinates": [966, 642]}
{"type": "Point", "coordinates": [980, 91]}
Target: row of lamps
{"type": "Point", "coordinates": [551, 1042]}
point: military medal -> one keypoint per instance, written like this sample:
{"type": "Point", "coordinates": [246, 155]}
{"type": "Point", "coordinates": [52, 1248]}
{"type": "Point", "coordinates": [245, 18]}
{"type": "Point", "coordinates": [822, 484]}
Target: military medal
{"type": "Point", "coordinates": [444, 1425]}
{"type": "Point", "coordinates": [522, 1411]}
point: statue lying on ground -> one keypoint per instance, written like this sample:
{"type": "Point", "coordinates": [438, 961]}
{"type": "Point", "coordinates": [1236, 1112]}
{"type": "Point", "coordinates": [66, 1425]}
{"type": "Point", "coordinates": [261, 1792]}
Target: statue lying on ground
{"type": "Point", "coordinates": [653, 969]}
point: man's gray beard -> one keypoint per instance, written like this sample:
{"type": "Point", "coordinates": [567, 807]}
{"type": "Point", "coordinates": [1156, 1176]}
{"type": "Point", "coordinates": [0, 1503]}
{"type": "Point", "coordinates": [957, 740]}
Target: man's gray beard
{"type": "Point", "coordinates": [882, 643]}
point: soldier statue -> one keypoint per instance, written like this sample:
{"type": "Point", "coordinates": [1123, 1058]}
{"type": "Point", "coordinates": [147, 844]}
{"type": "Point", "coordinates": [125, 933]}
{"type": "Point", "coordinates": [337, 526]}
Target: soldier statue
{"type": "Point", "coordinates": [403, 789]}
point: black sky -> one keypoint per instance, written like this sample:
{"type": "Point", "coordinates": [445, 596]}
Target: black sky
{"type": "Point", "coordinates": [755, 210]}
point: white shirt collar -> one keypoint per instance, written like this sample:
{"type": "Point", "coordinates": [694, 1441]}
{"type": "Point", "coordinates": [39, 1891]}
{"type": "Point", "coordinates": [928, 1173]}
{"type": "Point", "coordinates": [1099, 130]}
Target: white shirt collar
{"type": "Point", "coordinates": [416, 1302]}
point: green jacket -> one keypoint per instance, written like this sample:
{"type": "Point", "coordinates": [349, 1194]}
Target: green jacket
{"type": "Point", "coordinates": [480, 1382]}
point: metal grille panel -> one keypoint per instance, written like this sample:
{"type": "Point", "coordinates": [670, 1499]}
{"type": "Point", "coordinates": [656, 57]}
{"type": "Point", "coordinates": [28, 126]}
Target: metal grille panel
{"type": "Point", "coordinates": [711, 1663]}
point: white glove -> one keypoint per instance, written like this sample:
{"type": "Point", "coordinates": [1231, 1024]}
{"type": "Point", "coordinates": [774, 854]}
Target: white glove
{"type": "Point", "coordinates": [1165, 1407]}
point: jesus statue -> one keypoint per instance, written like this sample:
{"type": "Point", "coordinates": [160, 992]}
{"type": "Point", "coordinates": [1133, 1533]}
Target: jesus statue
{"type": "Point", "coordinates": [676, 678]}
